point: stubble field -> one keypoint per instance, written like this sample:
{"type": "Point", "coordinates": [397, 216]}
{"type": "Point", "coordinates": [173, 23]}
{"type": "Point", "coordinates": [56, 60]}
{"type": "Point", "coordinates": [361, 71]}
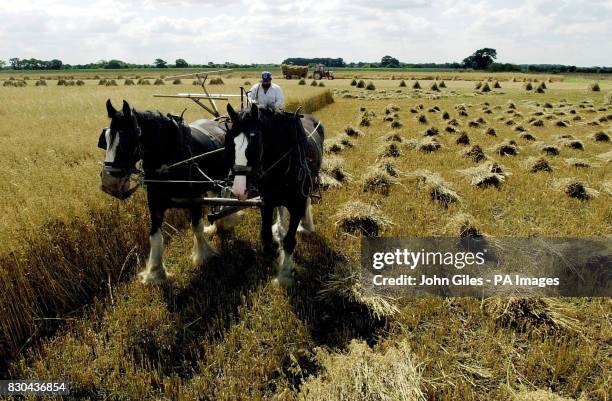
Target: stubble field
{"type": "Point", "coordinates": [457, 161]}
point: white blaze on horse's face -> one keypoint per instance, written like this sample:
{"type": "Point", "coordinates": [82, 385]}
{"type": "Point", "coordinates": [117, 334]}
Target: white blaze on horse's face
{"type": "Point", "coordinates": [241, 143]}
{"type": "Point", "coordinates": [110, 183]}
{"type": "Point", "coordinates": [111, 149]}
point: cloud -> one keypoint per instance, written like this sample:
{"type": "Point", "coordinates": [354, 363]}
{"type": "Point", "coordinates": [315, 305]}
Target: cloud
{"type": "Point", "coordinates": [538, 31]}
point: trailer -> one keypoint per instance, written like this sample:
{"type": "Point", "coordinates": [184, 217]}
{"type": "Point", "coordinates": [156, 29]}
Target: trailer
{"type": "Point", "coordinates": [291, 71]}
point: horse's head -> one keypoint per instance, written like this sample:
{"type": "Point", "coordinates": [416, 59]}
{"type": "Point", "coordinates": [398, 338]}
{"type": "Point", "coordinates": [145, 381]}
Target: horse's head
{"type": "Point", "coordinates": [121, 142]}
{"type": "Point", "coordinates": [243, 147]}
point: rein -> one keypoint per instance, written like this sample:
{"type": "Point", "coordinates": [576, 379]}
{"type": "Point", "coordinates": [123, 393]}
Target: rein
{"type": "Point", "coordinates": [164, 169]}
{"type": "Point", "coordinates": [290, 150]}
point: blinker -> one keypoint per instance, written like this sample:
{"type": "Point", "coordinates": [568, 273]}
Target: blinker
{"type": "Point", "coordinates": [102, 140]}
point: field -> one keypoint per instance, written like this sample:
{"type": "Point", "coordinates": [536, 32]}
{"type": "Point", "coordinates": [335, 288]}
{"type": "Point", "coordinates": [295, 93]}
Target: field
{"type": "Point", "coordinates": [452, 161]}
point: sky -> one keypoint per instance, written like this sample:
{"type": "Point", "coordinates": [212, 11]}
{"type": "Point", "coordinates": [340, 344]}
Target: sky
{"type": "Point", "coordinates": [574, 32]}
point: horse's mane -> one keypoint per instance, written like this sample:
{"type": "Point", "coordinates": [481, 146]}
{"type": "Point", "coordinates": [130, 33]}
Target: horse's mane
{"type": "Point", "coordinates": [151, 118]}
{"type": "Point", "coordinates": [280, 121]}
{"type": "Point", "coordinates": [164, 132]}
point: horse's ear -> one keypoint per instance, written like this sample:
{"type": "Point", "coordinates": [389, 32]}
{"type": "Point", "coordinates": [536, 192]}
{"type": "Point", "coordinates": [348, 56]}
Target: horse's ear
{"type": "Point", "coordinates": [110, 109]}
{"type": "Point", "coordinates": [127, 112]}
{"type": "Point", "coordinates": [232, 113]}
{"type": "Point", "coordinates": [254, 110]}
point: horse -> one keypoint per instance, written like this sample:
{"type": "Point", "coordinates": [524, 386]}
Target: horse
{"type": "Point", "coordinates": [279, 154]}
{"type": "Point", "coordinates": [159, 141]}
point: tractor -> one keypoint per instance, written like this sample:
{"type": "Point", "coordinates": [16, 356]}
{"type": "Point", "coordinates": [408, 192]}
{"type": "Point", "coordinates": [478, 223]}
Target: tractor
{"type": "Point", "coordinates": [321, 72]}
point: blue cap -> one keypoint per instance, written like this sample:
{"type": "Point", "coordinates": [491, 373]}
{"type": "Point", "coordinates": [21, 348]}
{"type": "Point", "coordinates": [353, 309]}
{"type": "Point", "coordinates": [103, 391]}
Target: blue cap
{"type": "Point", "coordinates": [266, 76]}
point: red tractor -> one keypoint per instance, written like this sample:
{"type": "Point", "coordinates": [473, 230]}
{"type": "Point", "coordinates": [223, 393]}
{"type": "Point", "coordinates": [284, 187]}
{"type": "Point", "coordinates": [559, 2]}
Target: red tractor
{"type": "Point", "coordinates": [321, 72]}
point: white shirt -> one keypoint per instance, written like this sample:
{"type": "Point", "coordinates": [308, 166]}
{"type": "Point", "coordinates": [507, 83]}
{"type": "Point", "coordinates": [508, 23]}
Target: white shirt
{"type": "Point", "coordinates": [272, 99]}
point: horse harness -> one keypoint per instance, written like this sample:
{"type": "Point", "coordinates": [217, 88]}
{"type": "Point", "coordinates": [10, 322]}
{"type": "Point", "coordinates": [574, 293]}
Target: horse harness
{"type": "Point", "coordinates": [303, 172]}
{"type": "Point", "coordinates": [178, 120]}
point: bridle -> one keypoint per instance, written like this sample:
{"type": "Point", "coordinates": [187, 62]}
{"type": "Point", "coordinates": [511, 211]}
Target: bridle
{"type": "Point", "coordinates": [119, 169]}
{"type": "Point", "coordinates": [257, 171]}
{"type": "Point", "coordinates": [253, 171]}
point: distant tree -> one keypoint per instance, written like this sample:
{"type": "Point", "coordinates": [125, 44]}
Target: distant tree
{"type": "Point", "coordinates": [389, 62]}
{"type": "Point", "coordinates": [115, 64]}
{"type": "Point", "coordinates": [15, 63]}
{"type": "Point", "coordinates": [2, 63]}
{"type": "Point", "coordinates": [481, 59]}
{"type": "Point", "coordinates": [159, 63]}
{"type": "Point", "coordinates": [503, 67]}
{"type": "Point", "coordinates": [181, 63]}
{"type": "Point", "coordinates": [55, 64]}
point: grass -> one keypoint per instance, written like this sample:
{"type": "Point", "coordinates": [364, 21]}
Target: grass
{"type": "Point", "coordinates": [224, 332]}
{"type": "Point", "coordinates": [55, 215]}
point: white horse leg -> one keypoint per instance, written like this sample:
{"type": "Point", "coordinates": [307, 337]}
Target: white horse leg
{"type": "Point", "coordinates": [155, 273]}
{"type": "Point", "coordinates": [279, 229]}
{"type": "Point", "coordinates": [285, 269]}
{"type": "Point", "coordinates": [202, 251]}
{"type": "Point", "coordinates": [307, 224]}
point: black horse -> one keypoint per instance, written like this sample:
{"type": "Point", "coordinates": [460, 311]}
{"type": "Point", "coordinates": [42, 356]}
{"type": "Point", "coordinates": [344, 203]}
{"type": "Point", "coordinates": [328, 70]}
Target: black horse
{"type": "Point", "coordinates": [159, 141]}
{"type": "Point", "coordinates": [276, 155]}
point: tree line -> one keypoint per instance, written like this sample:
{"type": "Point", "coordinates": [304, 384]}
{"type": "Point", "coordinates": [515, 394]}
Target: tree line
{"type": "Point", "coordinates": [35, 64]}
{"type": "Point", "coordinates": [482, 59]}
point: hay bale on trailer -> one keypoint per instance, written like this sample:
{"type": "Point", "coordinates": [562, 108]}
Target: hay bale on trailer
{"type": "Point", "coordinates": [289, 71]}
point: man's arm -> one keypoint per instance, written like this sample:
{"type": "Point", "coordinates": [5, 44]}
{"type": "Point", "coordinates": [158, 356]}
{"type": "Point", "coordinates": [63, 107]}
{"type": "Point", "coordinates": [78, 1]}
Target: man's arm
{"type": "Point", "coordinates": [253, 94]}
{"type": "Point", "coordinates": [279, 102]}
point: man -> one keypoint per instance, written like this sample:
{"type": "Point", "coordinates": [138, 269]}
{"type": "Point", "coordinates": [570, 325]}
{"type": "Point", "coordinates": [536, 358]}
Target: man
{"type": "Point", "coordinates": [266, 94]}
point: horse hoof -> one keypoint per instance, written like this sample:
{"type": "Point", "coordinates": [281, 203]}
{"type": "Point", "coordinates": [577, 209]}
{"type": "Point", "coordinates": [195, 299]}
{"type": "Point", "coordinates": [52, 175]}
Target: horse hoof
{"type": "Point", "coordinates": [284, 280]}
{"type": "Point", "coordinates": [305, 230]}
{"type": "Point", "coordinates": [278, 232]}
{"type": "Point", "coordinates": [201, 260]}
{"type": "Point", "coordinates": [210, 230]}
{"type": "Point", "coordinates": [286, 269]}
{"type": "Point", "coordinates": [154, 277]}
{"type": "Point", "coordinates": [201, 252]}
